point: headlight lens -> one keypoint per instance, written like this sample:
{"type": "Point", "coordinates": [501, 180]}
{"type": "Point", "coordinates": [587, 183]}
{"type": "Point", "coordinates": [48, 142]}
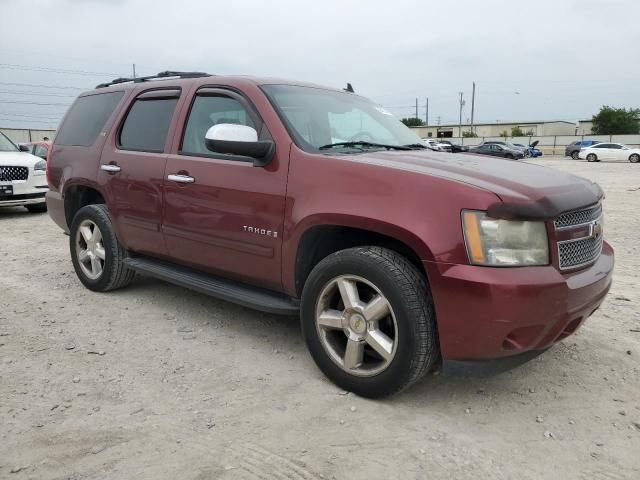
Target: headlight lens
{"type": "Point", "coordinates": [504, 243]}
{"type": "Point", "coordinates": [41, 165]}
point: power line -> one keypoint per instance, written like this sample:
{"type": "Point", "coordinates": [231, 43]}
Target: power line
{"type": "Point", "coordinates": [44, 122]}
{"type": "Point", "coordinates": [35, 103]}
{"type": "Point", "coordinates": [43, 86]}
{"type": "Point", "coordinates": [14, 66]}
{"type": "Point", "coordinates": [39, 94]}
{"type": "Point", "coordinates": [44, 117]}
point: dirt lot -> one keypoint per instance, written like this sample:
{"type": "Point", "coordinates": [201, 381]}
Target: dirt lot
{"type": "Point", "coordinates": [156, 382]}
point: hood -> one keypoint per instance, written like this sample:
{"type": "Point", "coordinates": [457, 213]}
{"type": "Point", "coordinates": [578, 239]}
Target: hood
{"type": "Point", "coordinates": [18, 159]}
{"type": "Point", "coordinates": [526, 191]}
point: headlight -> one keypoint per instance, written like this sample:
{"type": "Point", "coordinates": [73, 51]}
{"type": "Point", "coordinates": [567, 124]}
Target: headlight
{"type": "Point", "coordinates": [504, 243]}
{"type": "Point", "coordinates": [41, 165]}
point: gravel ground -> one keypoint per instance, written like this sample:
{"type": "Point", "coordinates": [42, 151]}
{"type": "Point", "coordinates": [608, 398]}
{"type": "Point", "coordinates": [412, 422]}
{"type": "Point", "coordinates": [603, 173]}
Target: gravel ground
{"type": "Point", "coordinates": [157, 382]}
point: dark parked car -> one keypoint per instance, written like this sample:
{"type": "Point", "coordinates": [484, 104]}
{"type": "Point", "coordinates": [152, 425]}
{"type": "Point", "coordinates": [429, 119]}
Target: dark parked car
{"type": "Point", "coordinates": [510, 145]}
{"type": "Point", "coordinates": [396, 258]}
{"type": "Point", "coordinates": [573, 149]}
{"type": "Point", "coordinates": [496, 150]}
{"type": "Point", "coordinates": [456, 147]}
{"type": "Point", "coordinates": [531, 150]}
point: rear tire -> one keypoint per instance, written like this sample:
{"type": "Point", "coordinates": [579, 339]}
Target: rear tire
{"type": "Point", "coordinates": [403, 321]}
{"type": "Point", "coordinates": [37, 208]}
{"type": "Point", "coordinates": [635, 158]}
{"type": "Point", "coordinates": [96, 254]}
{"type": "Point", "coordinates": [592, 157]}
{"type": "Point", "coordinates": [575, 155]}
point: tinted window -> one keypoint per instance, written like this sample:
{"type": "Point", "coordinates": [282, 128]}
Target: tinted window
{"type": "Point", "coordinates": [208, 111]}
{"type": "Point", "coordinates": [147, 123]}
{"type": "Point", "coordinates": [615, 147]}
{"type": "Point", "coordinates": [86, 118]}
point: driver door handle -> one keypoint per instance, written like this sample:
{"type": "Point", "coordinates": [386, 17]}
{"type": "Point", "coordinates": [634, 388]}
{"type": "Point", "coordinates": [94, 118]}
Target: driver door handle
{"type": "Point", "coordinates": [180, 178]}
{"type": "Point", "coordinates": [110, 167]}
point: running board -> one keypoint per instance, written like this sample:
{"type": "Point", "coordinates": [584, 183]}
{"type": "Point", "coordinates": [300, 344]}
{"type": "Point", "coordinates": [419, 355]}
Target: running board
{"type": "Point", "coordinates": [235, 292]}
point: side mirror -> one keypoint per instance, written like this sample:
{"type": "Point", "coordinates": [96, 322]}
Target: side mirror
{"type": "Point", "coordinates": [24, 148]}
{"type": "Point", "coordinates": [241, 140]}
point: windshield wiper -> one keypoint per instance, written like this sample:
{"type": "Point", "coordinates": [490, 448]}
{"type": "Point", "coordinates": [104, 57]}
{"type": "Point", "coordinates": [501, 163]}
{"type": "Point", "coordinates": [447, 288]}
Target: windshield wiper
{"type": "Point", "coordinates": [363, 144]}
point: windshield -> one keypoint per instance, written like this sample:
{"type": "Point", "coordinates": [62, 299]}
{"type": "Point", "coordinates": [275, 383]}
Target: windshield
{"type": "Point", "coordinates": [7, 145]}
{"type": "Point", "coordinates": [316, 117]}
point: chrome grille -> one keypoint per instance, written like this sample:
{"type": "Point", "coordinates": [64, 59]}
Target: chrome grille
{"type": "Point", "coordinates": [8, 174]}
{"type": "Point", "coordinates": [578, 217]}
{"type": "Point", "coordinates": [576, 253]}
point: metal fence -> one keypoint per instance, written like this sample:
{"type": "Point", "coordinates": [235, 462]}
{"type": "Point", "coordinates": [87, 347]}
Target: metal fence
{"type": "Point", "coordinates": [23, 135]}
{"type": "Point", "coordinates": [552, 145]}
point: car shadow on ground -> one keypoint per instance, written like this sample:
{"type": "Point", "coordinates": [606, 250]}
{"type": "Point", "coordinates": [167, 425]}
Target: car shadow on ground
{"type": "Point", "coordinates": [434, 388]}
{"type": "Point", "coordinates": [10, 213]}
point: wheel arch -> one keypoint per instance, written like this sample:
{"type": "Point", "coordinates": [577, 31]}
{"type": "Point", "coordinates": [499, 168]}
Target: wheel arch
{"type": "Point", "coordinates": [317, 241]}
{"type": "Point", "coordinates": [78, 195]}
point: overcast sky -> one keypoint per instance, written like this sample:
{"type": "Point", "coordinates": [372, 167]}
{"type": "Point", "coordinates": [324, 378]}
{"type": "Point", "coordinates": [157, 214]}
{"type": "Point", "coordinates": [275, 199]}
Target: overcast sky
{"type": "Point", "coordinates": [535, 60]}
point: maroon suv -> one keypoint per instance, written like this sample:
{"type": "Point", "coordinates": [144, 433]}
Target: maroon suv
{"type": "Point", "coordinates": [298, 199]}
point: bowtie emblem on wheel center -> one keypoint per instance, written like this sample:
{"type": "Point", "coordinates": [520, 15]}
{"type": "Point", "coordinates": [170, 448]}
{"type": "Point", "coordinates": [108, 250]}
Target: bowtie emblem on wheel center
{"type": "Point", "coordinates": [357, 323]}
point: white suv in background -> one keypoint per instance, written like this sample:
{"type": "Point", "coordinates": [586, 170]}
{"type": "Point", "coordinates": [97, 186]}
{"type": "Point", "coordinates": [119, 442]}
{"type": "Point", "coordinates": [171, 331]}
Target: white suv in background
{"type": "Point", "coordinates": [23, 179]}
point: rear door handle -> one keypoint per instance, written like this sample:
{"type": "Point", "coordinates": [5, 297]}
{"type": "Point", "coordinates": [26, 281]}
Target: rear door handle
{"type": "Point", "coordinates": [111, 168]}
{"type": "Point", "coordinates": [180, 178]}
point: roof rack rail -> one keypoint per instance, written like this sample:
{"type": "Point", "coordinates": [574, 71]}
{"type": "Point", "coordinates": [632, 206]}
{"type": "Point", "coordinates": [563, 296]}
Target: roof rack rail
{"type": "Point", "coordinates": [165, 74]}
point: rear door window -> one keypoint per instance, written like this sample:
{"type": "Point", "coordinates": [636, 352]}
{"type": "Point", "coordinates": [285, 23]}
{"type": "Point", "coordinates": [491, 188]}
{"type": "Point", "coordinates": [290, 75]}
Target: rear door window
{"type": "Point", "coordinates": [147, 124]}
{"type": "Point", "coordinates": [87, 118]}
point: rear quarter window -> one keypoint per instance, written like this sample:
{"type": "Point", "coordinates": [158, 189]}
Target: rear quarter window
{"type": "Point", "coordinates": [87, 118]}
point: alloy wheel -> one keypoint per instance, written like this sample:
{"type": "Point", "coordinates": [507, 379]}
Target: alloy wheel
{"type": "Point", "coordinates": [90, 249]}
{"type": "Point", "coordinates": [356, 326]}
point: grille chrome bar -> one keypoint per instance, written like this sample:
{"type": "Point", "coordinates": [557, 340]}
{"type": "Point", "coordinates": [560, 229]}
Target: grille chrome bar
{"type": "Point", "coordinates": [580, 252]}
{"type": "Point", "coordinates": [578, 217]}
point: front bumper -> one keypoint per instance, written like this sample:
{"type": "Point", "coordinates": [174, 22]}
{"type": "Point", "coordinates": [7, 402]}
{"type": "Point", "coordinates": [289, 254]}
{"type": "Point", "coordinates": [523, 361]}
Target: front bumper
{"type": "Point", "coordinates": [26, 192]}
{"type": "Point", "coordinates": [486, 313]}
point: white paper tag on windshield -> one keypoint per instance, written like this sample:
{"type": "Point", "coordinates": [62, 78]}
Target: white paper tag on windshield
{"type": "Point", "coordinates": [384, 111]}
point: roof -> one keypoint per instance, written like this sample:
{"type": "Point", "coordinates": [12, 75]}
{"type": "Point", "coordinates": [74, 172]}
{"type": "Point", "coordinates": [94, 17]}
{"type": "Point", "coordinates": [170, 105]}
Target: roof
{"type": "Point", "coordinates": [174, 78]}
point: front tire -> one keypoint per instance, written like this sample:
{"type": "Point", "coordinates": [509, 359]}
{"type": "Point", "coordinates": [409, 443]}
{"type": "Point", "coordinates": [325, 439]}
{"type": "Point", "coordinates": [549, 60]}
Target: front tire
{"type": "Point", "coordinates": [575, 155]}
{"type": "Point", "coordinates": [592, 157]}
{"type": "Point", "coordinates": [635, 158]}
{"type": "Point", "coordinates": [96, 254]}
{"type": "Point", "coordinates": [368, 320]}
{"type": "Point", "coordinates": [37, 208]}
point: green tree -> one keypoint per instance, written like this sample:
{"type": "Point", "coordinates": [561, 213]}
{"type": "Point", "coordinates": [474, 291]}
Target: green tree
{"type": "Point", "coordinates": [517, 132]}
{"type": "Point", "coordinates": [469, 134]}
{"type": "Point", "coordinates": [412, 122]}
{"type": "Point", "coordinates": [616, 121]}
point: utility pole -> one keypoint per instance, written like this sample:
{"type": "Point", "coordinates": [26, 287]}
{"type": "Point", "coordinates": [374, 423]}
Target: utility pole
{"type": "Point", "coordinates": [426, 115]}
{"type": "Point", "coordinates": [473, 105]}
{"type": "Point", "coordinates": [461, 105]}
{"type": "Point", "coordinates": [134, 70]}
{"type": "Point", "coordinates": [417, 108]}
